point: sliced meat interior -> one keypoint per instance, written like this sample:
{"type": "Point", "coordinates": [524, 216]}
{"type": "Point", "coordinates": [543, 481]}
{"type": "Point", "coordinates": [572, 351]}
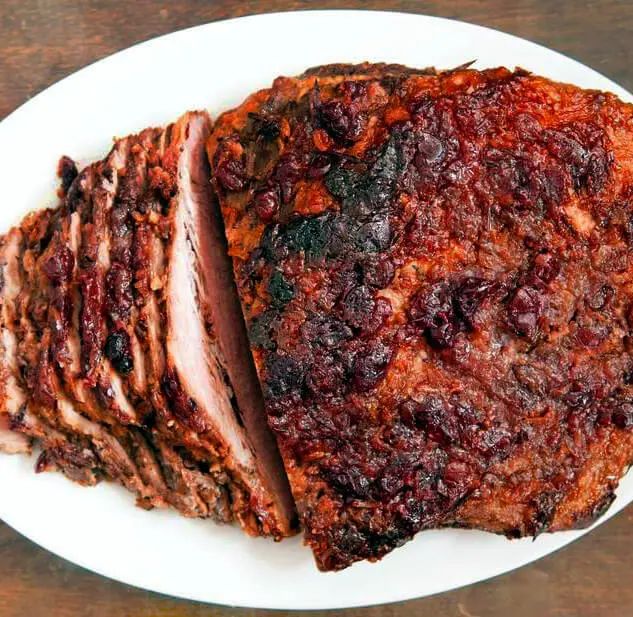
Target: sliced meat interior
{"type": "Point", "coordinates": [111, 357]}
{"type": "Point", "coordinates": [196, 382]}
{"type": "Point", "coordinates": [12, 396]}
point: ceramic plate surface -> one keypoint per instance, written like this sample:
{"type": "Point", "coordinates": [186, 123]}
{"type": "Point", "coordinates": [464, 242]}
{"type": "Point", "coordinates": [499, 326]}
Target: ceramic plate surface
{"type": "Point", "coordinates": [215, 66]}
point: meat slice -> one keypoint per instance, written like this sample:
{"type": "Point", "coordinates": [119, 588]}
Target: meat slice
{"type": "Point", "coordinates": [111, 393]}
{"type": "Point", "coordinates": [183, 479]}
{"type": "Point", "coordinates": [61, 266]}
{"type": "Point", "coordinates": [96, 269]}
{"type": "Point", "coordinates": [59, 451]}
{"type": "Point", "coordinates": [47, 266]}
{"type": "Point", "coordinates": [12, 395]}
{"type": "Point", "coordinates": [195, 381]}
{"type": "Point", "coordinates": [434, 270]}
{"type": "Point", "coordinates": [126, 260]}
{"type": "Point", "coordinates": [36, 416]}
{"type": "Point", "coordinates": [66, 351]}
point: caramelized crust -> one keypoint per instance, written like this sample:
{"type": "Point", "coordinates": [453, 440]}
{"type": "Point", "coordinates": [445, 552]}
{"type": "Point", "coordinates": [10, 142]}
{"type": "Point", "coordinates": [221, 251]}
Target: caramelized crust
{"type": "Point", "coordinates": [434, 269]}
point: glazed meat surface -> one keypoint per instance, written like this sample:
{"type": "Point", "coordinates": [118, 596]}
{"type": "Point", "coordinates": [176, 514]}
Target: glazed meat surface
{"type": "Point", "coordinates": [435, 273]}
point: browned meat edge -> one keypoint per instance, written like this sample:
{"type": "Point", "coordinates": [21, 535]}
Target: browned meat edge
{"type": "Point", "coordinates": [233, 339]}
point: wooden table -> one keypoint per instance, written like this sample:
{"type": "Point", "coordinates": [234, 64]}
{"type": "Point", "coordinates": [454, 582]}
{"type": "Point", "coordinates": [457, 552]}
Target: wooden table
{"type": "Point", "coordinates": [41, 41]}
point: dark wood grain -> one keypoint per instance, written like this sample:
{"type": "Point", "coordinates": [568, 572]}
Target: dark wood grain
{"type": "Point", "coordinates": [41, 41]}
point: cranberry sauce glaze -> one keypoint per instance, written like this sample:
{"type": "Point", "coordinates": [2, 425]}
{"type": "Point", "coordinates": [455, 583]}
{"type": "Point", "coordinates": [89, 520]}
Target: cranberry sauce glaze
{"type": "Point", "coordinates": [434, 269]}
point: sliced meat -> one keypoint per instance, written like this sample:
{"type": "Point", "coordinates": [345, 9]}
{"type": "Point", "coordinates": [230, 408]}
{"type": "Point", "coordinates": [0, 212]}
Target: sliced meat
{"type": "Point", "coordinates": [37, 417]}
{"type": "Point", "coordinates": [194, 491]}
{"type": "Point", "coordinates": [59, 451]}
{"type": "Point", "coordinates": [148, 465]}
{"type": "Point", "coordinates": [121, 344]}
{"type": "Point", "coordinates": [230, 331]}
{"type": "Point", "coordinates": [195, 382]}
{"type": "Point", "coordinates": [63, 271]}
{"type": "Point", "coordinates": [47, 265]}
{"type": "Point", "coordinates": [94, 264]}
{"type": "Point", "coordinates": [67, 348]}
{"type": "Point", "coordinates": [12, 395]}
{"type": "Point", "coordinates": [184, 494]}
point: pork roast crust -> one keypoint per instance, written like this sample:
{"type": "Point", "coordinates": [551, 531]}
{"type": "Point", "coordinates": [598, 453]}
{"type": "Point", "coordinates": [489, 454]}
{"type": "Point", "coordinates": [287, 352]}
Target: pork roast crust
{"type": "Point", "coordinates": [434, 269]}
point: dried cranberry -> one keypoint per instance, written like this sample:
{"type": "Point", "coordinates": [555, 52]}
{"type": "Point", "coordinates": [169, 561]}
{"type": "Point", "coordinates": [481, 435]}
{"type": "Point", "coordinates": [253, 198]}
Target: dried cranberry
{"type": "Point", "coordinates": [393, 476]}
{"type": "Point", "coordinates": [592, 336]}
{"type": "Point", "coordinates": [467, 414]}
{"type": "Point", "coordinates": [578, 396]}
{"type": "Point", "coordinates": [353, 89]}
{"type": "Point", "coordinates": [471, 292]}
{"type": "Point", "coordinates": [524, 311]}
{"type": "Point", "coordinates": [432, 311]}
{"type": "Point", "coordinates": [507, 172]}
{"type": "Point", "coordinates": [382, 311]}
{"type": "Point", "coordinates": [438, 419]}
{"type": "Point", "coordinates": [325, 376]}
{"type": "Point", "coordinates": [492, 441]}
{"type": "Point", "coordinates": [231, 175]}
{"type": "Point", "coordinates": [340, 121]}
{"type": "Point", "coordinates": [319, 166]}
{"type": "Point", "coordinates": [378, 271]}
{"type": "Point", "coordinates": [351, 480]}
{"type": "Point", "coordinates": [117, 350]}
{"type": "Point", "coordinates": [391, 481]}
{"type": "Point", "coordinates": [622, 415]}
{"type": "Point", "coordinates": [288, 171]}
{"type": "Point", "coordinates": [546, 267]}
{"type": "Point", "coordinates": [552, 181]}
{"type": "Point", "coordinates": [457, 473]}
{"type": "Point", "coordinates": [358, 305]}
{"type": "Point", "coordinates": [430, 150]}
{"type": "Point", "coordinates": [283, 375]}
{"type": "Point", "coordinates": [375, 235]}
{"type": "Point", "coordinates": [266, 204]}
{"type": "Point", "coordinates": [581, 420]}
{"type": "Point", "coordinates": [567, 149]}
{"type": "Point", "coordinates": [230, 171]}
{"type": "Point", "coordinates": [369, 366]}
{"type": "Point", "coordinates": [58, 267]}
{"type": "Point", "coordinates": [528, 126]}
{"type": "Point", "coordinates": [597, 170]}
{"type": "Point", "coordinates": [324, 330]}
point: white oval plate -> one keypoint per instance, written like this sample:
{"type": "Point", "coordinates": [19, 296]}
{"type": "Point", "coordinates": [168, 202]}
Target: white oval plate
{"type": "Point", "coordinates": [216, 66]}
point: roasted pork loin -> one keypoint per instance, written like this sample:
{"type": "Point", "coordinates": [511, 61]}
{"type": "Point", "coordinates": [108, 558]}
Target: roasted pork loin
{"type": "Point", "coordinates": [419, 281]}
{"type": "Point", "coordinates": [435, 272]}
{"type": "Point", "coordinates": [112, 338]}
